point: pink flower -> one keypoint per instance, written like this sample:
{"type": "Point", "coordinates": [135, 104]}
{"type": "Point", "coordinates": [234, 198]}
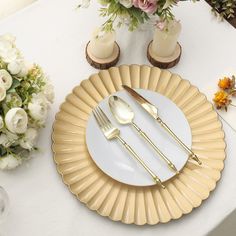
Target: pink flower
{"type": "Point", "coordinates": [148, 6]}
{"type": "Point", "coordinates": [160, 25]}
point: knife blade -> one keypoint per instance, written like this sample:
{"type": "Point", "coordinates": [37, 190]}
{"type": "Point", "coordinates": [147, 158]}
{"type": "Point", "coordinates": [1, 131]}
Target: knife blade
{"type": "Point", "coordinates": [146, 105]}
{"type": "Point", "coordinates": [153, 111]}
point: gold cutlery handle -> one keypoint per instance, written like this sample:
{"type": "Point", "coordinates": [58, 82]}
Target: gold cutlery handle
{"type": "Point", "coordinates": [159, 152]}
{"type": "Point", "coordinates": [135, 155]}
{"type": "Point", "coordinates": [166, 127]}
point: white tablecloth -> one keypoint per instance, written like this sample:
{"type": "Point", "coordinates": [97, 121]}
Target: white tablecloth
{"type": "Point", "coordinates": [54, 34]}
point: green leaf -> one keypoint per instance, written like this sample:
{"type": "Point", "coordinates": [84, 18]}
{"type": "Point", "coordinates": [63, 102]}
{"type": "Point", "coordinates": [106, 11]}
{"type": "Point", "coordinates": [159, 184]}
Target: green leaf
{"type": "Point", "coordinates": [15, 84]}
{"type": "Point", "coordinates": [138, 15]}
{"type": "Point", "coordinates": [2, 151]}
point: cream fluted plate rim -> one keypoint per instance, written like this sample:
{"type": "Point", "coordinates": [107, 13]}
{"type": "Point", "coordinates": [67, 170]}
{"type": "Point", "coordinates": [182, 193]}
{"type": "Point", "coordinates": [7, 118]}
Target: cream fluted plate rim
{"type": "Point", "coordinates": [129, 204]}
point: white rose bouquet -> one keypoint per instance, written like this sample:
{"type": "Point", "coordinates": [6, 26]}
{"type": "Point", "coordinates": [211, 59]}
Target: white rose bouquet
{"type": "Point", "coordinates": [25, 98]}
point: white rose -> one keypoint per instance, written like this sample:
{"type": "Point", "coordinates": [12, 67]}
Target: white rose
{"type": "Point", "coordinates": [2, 92]}
{"type": "Point", "coordinates": [19, 68]}
{"type": "Point", "coordinates": [29, 139]}
{"type": "Point", "coordinates": [16, 120]}
{"type": "Point", "coordinates": [14, 67]}
{"type": "Point", "coordinates": [24, 70]}
{"type": "Point", "coordinates": [126, 3]}
{"type": "Point", "coordinates": [38, 108]}
{"type": "Point", "coordinates": [5, 79]}
{"type": "Point", "coordinates": [49, 92]}
{"type": "Point", "coordinates": [8, 53]}
{"type": "Point", "coordinates": [9, 162]}
{"type": "Point", "coordinates": [1, 122]}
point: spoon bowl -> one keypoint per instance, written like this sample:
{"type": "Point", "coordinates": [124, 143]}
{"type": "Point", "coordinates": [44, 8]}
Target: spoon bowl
{"type": "Point", "coordinates": [121, 110]}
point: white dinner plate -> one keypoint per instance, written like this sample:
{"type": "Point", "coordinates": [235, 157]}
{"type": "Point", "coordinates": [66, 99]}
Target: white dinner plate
{"type": "Point", "coordinates": [115, 161]}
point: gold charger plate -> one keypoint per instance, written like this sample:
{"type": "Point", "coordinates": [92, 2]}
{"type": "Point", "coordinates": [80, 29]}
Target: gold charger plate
{"type": "Point", "coordinates": [130, 204]}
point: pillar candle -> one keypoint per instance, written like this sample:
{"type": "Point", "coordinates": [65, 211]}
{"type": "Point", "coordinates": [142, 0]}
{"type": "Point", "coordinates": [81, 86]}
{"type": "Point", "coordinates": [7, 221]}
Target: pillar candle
{"type": "Point", "coordinates": [165, 38]}
{"type": "Point", "coordinates": [102, 43]}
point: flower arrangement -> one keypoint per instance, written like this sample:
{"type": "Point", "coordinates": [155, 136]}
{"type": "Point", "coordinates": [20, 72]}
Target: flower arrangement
{"type": "Point", "coordinates": [223, 98]}
{"type": "Point", "coordinates": [136, 12]}
{"type": "Point", "coordinates": [25, 98]}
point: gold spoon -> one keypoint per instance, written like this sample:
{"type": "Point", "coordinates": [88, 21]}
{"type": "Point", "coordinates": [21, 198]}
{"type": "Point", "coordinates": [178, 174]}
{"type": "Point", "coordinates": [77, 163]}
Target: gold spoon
{"type": "Point", "coordinates": [124, 114]}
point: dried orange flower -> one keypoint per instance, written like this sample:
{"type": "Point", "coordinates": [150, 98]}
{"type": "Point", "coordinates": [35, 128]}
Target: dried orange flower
{"type": "Point", "coordinates": [223, 97]}
{"type": "Point", "coordinates": [221, 100]}
{"type": "Point", "coordinates": [226, 83]}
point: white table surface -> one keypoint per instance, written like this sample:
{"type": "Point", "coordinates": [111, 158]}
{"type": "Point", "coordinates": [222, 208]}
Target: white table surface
{"type": "Point", "coordinates": [54, 34]}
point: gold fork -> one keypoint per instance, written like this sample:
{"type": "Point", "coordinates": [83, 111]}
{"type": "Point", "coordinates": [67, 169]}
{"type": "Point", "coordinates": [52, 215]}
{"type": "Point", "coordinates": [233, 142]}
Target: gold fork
{"type": "Point", "coordinates": [111, 132]}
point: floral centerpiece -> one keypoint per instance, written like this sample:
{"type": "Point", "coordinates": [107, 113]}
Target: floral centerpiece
{"type": "Point", "coordinates": [135, 12]}
{"type": "Point", "coordinates": [25, 98]}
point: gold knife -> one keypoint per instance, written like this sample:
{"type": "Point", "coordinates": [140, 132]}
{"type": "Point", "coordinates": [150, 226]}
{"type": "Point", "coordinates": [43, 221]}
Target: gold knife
{"type": "Point", "coordinates": [153, 111]}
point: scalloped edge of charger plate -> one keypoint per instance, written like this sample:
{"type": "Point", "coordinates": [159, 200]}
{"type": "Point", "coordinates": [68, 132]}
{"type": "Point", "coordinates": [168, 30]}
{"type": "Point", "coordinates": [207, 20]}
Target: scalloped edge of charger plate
{"type": "Point", "coordinates": [131, 204]}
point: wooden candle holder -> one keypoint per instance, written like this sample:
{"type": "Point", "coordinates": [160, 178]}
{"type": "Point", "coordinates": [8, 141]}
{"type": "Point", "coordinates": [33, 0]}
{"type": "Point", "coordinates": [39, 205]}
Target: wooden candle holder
{"type": "Point", "coordinates": [105, 63]}
{"type": "Point", "coordinates": [164, 62]}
